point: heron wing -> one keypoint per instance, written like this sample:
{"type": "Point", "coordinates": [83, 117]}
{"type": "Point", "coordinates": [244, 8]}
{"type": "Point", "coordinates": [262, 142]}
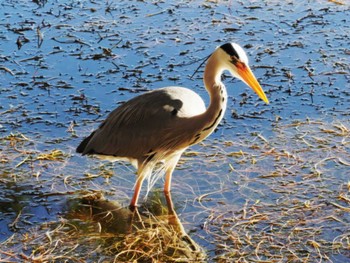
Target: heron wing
{"type": "Point", "coordinates": [145, 124]}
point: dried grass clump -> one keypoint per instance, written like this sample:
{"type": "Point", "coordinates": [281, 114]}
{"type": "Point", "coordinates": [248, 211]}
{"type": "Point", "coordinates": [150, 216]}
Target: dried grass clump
{"type": "Point", "coordinates": [18, 150]}
{"type": "Point", "coordinates": [97, 237]}
{"type": "Point", "coordinates": [158, 244]}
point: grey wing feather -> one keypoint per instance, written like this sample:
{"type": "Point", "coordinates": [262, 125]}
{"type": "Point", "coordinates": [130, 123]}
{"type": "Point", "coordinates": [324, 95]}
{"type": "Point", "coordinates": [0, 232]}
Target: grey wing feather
{"type": "Point", "coordinates": [142, 125]}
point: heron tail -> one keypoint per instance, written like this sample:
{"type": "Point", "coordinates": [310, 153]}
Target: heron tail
{"type": "Point", "coordinates": [82, 146]}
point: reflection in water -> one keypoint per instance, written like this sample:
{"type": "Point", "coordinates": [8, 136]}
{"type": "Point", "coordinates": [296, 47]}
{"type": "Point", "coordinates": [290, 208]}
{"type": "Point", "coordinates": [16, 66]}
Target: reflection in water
{"type": "Point", "coordinates": [139, 233]}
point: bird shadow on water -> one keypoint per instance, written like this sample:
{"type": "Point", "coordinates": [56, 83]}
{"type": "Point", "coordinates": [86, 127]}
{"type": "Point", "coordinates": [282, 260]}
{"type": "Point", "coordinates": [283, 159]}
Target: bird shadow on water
{"type": "Point", "coordinates": [104, 230]}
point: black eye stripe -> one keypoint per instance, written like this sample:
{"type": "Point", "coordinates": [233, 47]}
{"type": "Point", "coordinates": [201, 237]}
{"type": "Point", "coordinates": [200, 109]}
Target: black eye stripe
{"type": "Point", "coordinates": [229, 49]}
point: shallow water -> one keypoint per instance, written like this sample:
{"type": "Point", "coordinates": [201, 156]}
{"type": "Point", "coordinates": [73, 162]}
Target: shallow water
{"type": "Point", "coordinates": [64, 65]}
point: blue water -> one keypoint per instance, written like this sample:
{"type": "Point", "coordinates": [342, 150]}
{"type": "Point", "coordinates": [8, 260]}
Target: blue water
{"type": "Point", "coordinates": [97, 55]}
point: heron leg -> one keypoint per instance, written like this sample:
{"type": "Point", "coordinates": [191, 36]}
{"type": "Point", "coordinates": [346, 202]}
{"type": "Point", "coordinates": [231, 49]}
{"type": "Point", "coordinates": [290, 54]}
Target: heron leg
{"type": "Point", "coordinates": [169, 172]}
{"type": "Point", "coordinates": [142, 173]}
{"type": "Point", "coordinates": [137, 190]}
{"type": "Point", "coordinates": [169, 203]}
{"type": "Point", "coordinates": [167, 184]}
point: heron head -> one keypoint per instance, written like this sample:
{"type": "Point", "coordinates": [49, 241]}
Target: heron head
{"type": "Point", "coordinates": [235, 60]}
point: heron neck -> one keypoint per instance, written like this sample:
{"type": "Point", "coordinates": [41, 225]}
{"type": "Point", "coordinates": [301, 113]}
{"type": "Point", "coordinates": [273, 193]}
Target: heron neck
{"type": "Point", "coordinates": [212, 74]}
{"type": "Point", "coordinates": [217, 93]}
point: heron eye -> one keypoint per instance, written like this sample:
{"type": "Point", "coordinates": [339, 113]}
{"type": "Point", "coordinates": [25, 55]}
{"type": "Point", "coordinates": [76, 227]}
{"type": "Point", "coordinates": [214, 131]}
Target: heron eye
{"type": "Point", "coordinates": [234, 60]}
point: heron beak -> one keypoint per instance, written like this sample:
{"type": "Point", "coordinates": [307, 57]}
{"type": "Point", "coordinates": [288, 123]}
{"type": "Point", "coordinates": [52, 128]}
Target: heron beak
{"type": "Point", "coordinates": [248, 77]}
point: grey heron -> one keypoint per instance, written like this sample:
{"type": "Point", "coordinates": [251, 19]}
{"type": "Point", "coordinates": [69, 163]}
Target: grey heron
{"type": "Point", "coordinates": [158, 126]}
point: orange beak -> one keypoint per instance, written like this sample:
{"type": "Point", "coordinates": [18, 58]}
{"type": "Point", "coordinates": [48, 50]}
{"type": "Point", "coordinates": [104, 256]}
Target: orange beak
{"type": "Point", "coordinates": [248, 77]}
